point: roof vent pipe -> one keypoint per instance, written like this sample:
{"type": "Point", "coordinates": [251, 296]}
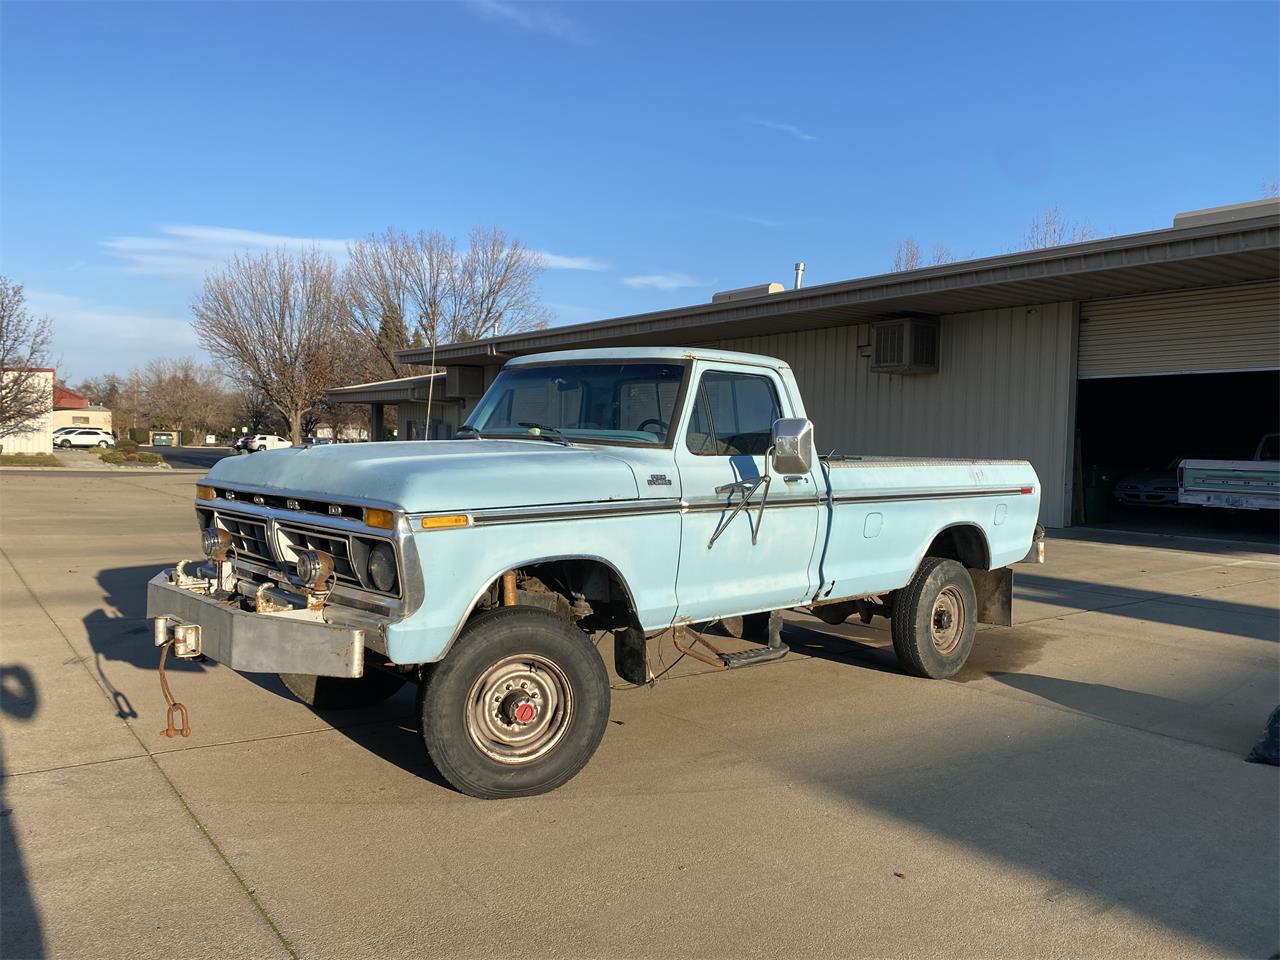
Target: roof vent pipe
{"type": "Point", "coordinates": [799, 275]}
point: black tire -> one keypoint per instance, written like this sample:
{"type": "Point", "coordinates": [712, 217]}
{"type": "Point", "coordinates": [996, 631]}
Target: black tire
{"type": "Point", "coordinates": [103, 444]}
{"type": "Point", "coordinates": [931, 637]}
{"type": "Point", "coordinates": [65, 444]}
{"type": "Point", "coordinates": [501, 656]}
{"type": "Point", "coordinates": [341, 693]}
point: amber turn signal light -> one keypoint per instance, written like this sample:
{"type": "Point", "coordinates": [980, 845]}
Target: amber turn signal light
{"type": "Point", "coordinates": [205, 493]}
{"type": "Point", "coordinates": [382, 519]}
{"type": "Point", "coordinates": [443, 523]}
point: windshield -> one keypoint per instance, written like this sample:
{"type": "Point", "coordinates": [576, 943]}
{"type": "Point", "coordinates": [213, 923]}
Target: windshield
{"type": "Point", "coordinates": [629, 403]}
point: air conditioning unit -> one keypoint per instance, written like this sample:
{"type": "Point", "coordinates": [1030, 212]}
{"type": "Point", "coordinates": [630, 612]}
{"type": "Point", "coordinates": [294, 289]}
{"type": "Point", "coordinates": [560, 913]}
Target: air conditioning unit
{"type": "Point", "coordinates": [463, 383]}
{"type": "Point", "coordinates": [905, 345]}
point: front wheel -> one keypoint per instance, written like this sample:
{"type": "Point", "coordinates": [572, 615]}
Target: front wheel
{"type": "Point", "coordinates": [518, 706]}
{"type": "Point", "coordinates": [934, 619]}
{"type": "Point", "coordinates": [65, 444]}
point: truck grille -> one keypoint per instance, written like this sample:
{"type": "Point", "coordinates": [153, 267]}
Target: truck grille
{"type": "Point", "coordinates": [276, 544]}
{"type": "Point", "coordinates": [248, 537]}
{"type": "Point", "coordinates": [338, 545]}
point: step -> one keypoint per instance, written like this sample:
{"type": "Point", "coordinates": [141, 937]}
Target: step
{"type": "Point", "coordinates": [749, 658]}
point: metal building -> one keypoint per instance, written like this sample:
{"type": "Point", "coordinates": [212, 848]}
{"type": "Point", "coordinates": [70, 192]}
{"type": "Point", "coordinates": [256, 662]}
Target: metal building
{"type": "Point", "coordinates": [1054, 355]}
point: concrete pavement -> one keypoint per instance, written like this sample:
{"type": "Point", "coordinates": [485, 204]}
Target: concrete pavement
{"type": "Point", "coordinates": [1078, 791]}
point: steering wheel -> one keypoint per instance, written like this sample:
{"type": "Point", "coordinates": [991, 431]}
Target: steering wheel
{"type": "Point", "coordinates": [662, 425]}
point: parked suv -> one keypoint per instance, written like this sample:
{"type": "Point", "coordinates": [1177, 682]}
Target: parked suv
{"type": "Point", "coordinates": [83, 437]}
{"type": "Point", "coordinates": [265, 441]}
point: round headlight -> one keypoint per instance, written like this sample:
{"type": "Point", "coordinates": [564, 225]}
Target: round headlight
{"type": "Point", "coordinates": [314, 568]}
{"type": "Point", "coordinates": [214, 542]}
{"type": "Point", "coordinates": [382, 568]}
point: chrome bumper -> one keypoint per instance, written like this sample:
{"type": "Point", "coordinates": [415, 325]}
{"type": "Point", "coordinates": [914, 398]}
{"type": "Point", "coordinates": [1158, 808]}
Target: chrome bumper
{"type": "Point", "coordinates": [290, 641]}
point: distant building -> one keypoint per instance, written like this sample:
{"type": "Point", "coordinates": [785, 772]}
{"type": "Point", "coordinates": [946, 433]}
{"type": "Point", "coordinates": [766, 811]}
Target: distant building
{"type": "Point", "coordinates": [37, 434]}
{"type": "Point", "coordinates": [71, 409]}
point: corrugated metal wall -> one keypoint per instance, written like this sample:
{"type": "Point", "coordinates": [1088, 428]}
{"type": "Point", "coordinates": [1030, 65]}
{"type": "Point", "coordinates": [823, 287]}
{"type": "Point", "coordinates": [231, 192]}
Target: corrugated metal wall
{"type": "Point", "coordinates": [1005, 388]}
{"type": "Point", "coordinates": [1187, 331]}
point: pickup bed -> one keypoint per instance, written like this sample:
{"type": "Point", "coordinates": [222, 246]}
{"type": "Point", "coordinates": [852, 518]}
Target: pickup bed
{"type": "Point", "coordinates": [634, 492]}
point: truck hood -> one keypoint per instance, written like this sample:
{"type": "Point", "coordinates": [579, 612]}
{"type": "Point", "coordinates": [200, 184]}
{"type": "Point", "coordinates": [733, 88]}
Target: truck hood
{"type": "Point", "coordinates": [426, 476]}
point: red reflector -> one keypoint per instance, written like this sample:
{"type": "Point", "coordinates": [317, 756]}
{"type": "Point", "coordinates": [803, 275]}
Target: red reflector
{"type": "Point", "coordinates": [1027, 490]}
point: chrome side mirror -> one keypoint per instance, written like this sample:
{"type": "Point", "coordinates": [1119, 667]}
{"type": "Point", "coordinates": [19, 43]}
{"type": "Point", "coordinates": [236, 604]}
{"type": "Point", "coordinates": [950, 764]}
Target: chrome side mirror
{"type": "Point", "coordinates": [792, 442]}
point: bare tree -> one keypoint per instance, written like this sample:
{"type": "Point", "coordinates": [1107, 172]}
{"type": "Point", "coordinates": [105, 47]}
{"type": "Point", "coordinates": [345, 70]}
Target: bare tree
{"type": "Point", "coordinates": [1052, 229]}
{"type": "Point", "coordinates": [499, 278]}
{"type": "Point", "coordinates": [1270, 190]}
{"type": "Point", "coordinates": [941, 254]}
{"type": "Point", "coordinates": [25, 387]}
{"type": "Point", "coordinates": [907, 256]}
{"type": "Point", "coordinates": [184, 395]}
{"type": "Point", "coordinates": [276, 321]}
{"type": "Point", "coordinates": [420, 289]}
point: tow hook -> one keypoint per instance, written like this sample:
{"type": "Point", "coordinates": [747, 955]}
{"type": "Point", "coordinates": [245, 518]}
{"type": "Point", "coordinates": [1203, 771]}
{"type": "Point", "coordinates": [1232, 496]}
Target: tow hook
{"type": "Point", "coordinates": [176, 709]}
{"type": "Point", "coordinates": [184, 640]}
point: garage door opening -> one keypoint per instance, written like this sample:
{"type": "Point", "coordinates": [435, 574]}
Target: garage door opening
{"type": "Point", "coordinates": [1132, 432]}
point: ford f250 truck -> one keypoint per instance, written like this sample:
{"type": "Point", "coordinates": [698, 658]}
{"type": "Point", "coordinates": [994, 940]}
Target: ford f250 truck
{"type": "Point", "coordinates": [632, 492]}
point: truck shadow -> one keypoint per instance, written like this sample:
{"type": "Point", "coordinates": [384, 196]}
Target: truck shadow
{"type": "Point", "coordinates": [119, 632]}
{"type": "Point", "coordinates": [21, 933]}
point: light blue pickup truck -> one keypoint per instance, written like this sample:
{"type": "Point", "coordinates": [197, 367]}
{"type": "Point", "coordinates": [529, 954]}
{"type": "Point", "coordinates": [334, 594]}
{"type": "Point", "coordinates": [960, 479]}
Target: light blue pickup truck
{"type": "Point", "coordinates": [628, 492]}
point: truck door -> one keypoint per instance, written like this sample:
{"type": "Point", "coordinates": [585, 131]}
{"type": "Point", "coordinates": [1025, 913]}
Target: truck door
{"type": "Point", "coordinates": [751, 561]}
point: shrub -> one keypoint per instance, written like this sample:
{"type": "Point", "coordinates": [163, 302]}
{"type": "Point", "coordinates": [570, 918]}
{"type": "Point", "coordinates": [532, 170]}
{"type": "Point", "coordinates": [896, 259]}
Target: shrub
{"type": "Point", "coordinates": [126, 445]}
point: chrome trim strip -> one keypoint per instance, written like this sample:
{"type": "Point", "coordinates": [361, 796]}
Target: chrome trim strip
{"type": "Point", "coordinates": [576, 511]}
{"type": "Point", "coordinates": [626, 508]}
{"type": "Point", "coordinates": [873, 497]}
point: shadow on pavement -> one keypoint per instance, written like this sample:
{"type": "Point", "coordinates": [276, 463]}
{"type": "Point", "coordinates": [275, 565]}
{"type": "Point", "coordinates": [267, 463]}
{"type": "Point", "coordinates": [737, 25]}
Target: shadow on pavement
{"type": "Point", "coordinates": [119, 632]}
{"type": "Point", "coordinates": [1175, 609]}
{"type": "Point", "coordinates": [20, 929]}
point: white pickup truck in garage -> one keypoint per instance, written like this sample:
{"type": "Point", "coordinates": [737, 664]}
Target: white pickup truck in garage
{"type": "Point", "coordinates": [1235, 484]}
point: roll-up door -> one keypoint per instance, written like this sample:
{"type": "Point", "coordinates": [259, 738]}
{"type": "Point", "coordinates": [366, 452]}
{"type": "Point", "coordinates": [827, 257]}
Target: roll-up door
{"type": "Point", "coordinates": [1214, 330]}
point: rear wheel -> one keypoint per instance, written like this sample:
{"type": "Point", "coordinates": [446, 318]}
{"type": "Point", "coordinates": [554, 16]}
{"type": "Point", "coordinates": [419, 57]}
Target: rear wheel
{"type": "Point", "coordinates": [934, 619]}
{"type": "Point", "coordinates": [342, 693]}
{"type": "Point", "coordinates": [103, 444]}
{"type": "Point", "coordinates": [518, 706]}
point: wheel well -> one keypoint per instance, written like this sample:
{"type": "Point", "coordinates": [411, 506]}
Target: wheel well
{"type": "Point", "coordinates": [585, 590]}
{"type": "Point", "coordinates": [965, 543]}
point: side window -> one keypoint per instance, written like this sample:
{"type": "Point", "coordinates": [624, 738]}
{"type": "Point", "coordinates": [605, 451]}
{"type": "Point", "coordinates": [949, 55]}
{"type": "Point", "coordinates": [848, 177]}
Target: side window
{"type": "Point", "coordinates": [732, 415]}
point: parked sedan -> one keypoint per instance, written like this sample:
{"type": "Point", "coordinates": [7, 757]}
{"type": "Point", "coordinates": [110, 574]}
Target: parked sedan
{"type": "Point", "coordinates": [83, 437]}
{"type": "Point", "coordinates": [1156, 488]}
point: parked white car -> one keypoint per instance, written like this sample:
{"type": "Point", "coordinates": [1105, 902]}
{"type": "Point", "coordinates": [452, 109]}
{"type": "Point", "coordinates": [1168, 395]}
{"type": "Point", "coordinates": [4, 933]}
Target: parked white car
{"type": "Point", "coordinates": [265, 441]}
{"type": "Point", "coordinates": [83, 437]}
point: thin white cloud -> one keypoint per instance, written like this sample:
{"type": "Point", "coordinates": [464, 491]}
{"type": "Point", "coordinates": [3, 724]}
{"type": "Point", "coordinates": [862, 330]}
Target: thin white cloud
{"type": "Point", "coordinates": [91, 338]}
{"type": "Point", "coordinates": [535, 18]}
{"type": "Point", "coordinates": [555, 261]}
{"type": "Point", "coordinates": [781, 127]}
{"type": "Point", "coordinates": [191, 251]}
{"type": "Point", "coordinates": [758, 221]}
{"type": "Point", "coordinates": [663, 281]}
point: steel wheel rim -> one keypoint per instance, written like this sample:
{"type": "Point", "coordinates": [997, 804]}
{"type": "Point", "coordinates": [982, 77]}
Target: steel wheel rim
{"type": "Point", "coordinates": [499, 697]}
{"type": "Point", "coordinates": [946, 620]}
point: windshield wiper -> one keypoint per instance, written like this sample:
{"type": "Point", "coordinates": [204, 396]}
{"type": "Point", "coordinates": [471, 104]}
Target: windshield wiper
{"type": "Point", "coordinates": [471, 430]}
{"type": "Point", "coordinates": [552, 433]}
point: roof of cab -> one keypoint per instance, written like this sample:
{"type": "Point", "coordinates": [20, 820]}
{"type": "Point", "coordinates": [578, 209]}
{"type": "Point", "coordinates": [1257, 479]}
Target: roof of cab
{"type": "Point", "coordinates": [650, 353]}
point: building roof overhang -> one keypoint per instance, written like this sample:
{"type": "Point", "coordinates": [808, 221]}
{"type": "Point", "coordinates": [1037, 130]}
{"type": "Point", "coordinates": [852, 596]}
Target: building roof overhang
{"type": "Point", "coordinates": [1197, 255]}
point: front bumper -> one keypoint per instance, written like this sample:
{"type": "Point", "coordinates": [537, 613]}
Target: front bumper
{"type": "Point", "coordinates": [289, 641]}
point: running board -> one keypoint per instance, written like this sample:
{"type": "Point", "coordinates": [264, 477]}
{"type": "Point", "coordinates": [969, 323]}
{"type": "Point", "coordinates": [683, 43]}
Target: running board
{"type": "Point", "coordinates": [716, 657]}
{"type": "Point", "coordinates": [749, 658]}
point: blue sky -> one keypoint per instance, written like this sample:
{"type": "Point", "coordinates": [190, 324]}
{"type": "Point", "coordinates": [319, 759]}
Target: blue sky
{"type": "Point", "coordinates": [657, 152]}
